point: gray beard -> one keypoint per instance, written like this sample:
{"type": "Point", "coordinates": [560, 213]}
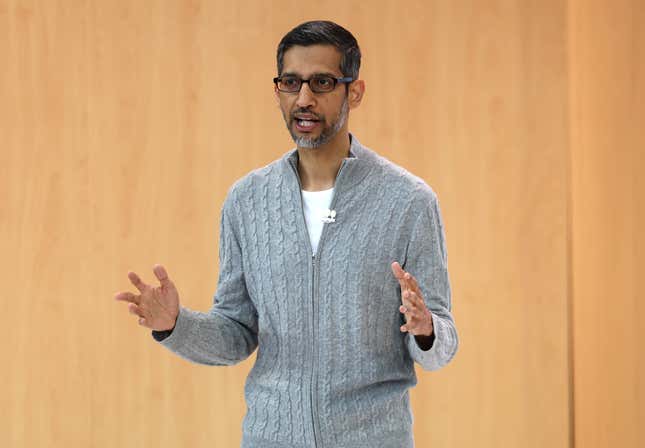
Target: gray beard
{"type": "Point", "coordinates": [326, 135]}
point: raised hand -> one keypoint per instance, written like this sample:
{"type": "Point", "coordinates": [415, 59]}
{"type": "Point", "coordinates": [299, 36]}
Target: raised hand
{"type": "Point", "coordinates": [418, 319]}
{"type": "Point", "coordinates": [157, 306]}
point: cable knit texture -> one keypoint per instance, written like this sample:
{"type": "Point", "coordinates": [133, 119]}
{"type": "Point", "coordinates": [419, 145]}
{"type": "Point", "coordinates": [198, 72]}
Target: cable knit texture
{"type": "Point", "coordinates": [333, 368]}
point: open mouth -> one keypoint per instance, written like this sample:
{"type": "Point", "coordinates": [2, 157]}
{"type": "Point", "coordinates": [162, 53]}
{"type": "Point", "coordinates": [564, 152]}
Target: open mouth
{"type": "Point", "coordinates": [305, 125]}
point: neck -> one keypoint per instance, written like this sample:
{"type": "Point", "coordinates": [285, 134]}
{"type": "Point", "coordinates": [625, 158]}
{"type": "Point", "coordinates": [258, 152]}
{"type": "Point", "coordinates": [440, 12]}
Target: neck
{"type": "Point", "coordinates": [319, 166]}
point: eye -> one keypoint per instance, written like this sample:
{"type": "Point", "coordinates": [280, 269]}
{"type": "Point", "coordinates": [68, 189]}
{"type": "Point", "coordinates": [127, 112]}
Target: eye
{"type": "Point", "coordinates": [323, 81]}
{"type": "Point", "coordinates": [289, 82]}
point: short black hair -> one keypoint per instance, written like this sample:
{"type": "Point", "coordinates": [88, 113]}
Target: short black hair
{"type": "Point", "coordinates": [324, 32]}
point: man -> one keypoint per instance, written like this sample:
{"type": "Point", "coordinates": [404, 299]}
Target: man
{"type": "Point", "coordinates": [333, 265]}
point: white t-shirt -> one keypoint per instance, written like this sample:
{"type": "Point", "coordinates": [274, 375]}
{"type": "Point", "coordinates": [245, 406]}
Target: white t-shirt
{"type": "Point", "coordinates": [316, 205]}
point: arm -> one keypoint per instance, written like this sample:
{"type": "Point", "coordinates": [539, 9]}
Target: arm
{"type": "Point", "coordinates": [227, 334]}
{"type": "Point", "coordinates": [426, 260]}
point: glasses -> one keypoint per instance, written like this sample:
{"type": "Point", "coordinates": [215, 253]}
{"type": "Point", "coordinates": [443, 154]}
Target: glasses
{"type": "Point", "coordinates": [317, 83]}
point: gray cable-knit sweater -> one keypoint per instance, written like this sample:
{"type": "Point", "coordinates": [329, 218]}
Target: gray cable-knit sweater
{"type": "Point", "coordinates": [333, 368]}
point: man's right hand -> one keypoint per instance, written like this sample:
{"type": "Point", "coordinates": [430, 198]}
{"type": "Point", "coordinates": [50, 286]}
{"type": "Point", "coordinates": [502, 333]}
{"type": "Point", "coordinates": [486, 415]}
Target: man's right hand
{"type": "Point", "coordinates": [157, 306]}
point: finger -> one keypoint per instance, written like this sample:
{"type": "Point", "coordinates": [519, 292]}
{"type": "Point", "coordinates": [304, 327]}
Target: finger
{"type": "Point", "coordinates": [406, 314]}
{"type": "Point", "coordinates": [414, 299]}
{"type": "Point", "coordinates": [406, 308]}
{"type": "Point", "coordinates": [407, 303]}
{"type": "Point", "coordinates": [127, 297]}
{"type": "Point", "coordinates": [397, 270]}
{"type": "Point", "coordinates": [136, 281]}
{"type": "Point", "coordinates": [410, 320]}
{"type": "Point", "coordinates": [402, 276]}
{"type": "Point", "coordinates": [412, 324]}
{"type": "Point", "coordinates": [136, 310]}
{"type": "Point", "coordinates": [413, 283]}
{"type": "Point", "coordinates": [399, 273]}
{"type": "Point", "coordinates": [162, 275]}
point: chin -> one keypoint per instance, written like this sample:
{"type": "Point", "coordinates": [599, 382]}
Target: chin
{"type": "Point", "coordinates": [304, 142]}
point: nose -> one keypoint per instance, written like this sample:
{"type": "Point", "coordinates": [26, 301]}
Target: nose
{"type": "Point", "coordinates": [306, 97]}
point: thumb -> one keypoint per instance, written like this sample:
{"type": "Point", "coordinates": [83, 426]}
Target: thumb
{"type": "Point", "coordinates": [162, 275]}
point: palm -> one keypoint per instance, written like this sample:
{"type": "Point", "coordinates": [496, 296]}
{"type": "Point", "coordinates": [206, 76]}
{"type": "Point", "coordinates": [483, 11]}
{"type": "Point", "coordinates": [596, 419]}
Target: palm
{"type": "Point", "coordinates": [156, 306]}
{"type": "Point", "coordinates": [162, 304]}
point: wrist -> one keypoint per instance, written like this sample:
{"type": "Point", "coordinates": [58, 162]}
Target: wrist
{"type": "Point", "coordinates": [425, 342]}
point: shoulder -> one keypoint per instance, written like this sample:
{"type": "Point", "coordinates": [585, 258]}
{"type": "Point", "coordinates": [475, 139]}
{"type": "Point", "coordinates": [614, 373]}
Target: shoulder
{"type": "Point", "coordinates": [392, 176]}
{"type": "Point", "coordinates": [256, 178]}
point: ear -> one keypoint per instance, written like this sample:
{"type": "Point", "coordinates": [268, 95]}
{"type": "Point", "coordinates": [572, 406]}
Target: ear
{"type": "Point", "coordinates": [356, 92]}
{"type": "Point", "coordinates": [277, 95]}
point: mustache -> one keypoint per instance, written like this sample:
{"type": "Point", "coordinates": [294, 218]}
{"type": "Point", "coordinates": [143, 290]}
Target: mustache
{"type": "Point", "coordinates": [306, 111]}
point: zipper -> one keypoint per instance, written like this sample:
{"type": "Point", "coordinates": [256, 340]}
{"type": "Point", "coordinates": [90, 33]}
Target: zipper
{"type": "Point", "coordinates": [314, 288]}
{"type": "Point", "coordinates": [313, 381]}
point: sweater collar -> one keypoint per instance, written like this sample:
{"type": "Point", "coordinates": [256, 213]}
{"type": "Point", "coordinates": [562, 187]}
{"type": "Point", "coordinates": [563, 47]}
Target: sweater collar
{"type": "Point", "coordinates": [354, 167]}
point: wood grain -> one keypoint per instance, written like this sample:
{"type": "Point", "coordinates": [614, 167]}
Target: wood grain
{"type": "Point", "coordinates": [608, 152]}
{"type": "Point", "coordinates": [124, 123]}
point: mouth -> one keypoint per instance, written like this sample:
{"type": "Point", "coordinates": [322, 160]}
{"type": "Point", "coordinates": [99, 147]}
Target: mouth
{"type": "Point", "coordinates": [305, 124]}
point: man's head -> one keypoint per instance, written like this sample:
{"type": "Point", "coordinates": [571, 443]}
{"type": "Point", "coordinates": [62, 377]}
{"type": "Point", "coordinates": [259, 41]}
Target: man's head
{"type": "Point", "coordinates": [327, 55]}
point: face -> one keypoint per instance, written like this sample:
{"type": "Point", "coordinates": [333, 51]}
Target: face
{"type": "Point", "coordinates": [314, 119]}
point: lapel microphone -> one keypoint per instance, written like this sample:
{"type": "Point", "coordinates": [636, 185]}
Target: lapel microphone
{"type": "Point", "coordinates": [329, 216]}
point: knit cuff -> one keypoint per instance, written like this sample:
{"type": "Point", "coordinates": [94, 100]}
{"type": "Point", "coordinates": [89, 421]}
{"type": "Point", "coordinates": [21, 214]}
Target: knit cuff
{"type": "Point", "coordinates": [442, 349]}
{"type": "Point", "coordinates": [176, 338]}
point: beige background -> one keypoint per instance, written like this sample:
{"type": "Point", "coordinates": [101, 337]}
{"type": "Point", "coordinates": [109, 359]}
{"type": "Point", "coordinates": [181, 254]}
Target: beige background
{"type": "Point", "coordinates": [123, 123]}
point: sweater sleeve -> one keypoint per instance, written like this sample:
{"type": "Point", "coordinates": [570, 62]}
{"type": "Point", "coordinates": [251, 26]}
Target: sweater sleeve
{"type": "Point", "coordinates": [227, 333]}
{"type": "Point", "coordinates": [427, 260]}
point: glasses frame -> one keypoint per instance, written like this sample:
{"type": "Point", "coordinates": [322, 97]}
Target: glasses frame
{"type": "Point", "coordinates": [342, 80]}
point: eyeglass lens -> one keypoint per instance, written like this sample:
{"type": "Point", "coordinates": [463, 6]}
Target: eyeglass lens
{"type": "Point", "coordinates": [316, 83]}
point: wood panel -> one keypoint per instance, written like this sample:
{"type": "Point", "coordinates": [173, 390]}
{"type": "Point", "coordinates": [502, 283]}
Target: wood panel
{"type": "Point", "coordinates": [481, 115]}
{"type": "Point", "coordinates": [123, 124]}
{"type": "Point", "coordinates": [607, 45]}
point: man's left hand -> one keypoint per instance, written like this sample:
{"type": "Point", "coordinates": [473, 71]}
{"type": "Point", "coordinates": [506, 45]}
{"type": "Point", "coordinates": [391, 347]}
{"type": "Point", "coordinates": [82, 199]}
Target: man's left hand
{"type": "Point", "coordinates": [418, 319]}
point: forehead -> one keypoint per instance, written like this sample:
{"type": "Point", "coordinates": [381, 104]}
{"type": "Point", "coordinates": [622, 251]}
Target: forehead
{"type": "Point", "coordinates": [305, 61]}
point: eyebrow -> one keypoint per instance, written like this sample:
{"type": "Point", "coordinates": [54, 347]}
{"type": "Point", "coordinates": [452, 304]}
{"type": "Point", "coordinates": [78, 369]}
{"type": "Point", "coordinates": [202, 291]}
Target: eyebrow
{"type": "Point", "coordinates": [333, 75]}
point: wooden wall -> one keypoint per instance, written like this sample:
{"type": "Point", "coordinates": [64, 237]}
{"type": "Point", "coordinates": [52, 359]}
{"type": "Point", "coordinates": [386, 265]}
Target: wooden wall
{"type": "Point", "coordinates": [123, 123]}
{"type": "Point", "coordinates": [607, 66]}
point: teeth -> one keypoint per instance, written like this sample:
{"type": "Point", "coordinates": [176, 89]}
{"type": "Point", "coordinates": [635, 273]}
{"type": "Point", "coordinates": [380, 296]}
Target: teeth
{"type": "Point", "coordinates": [305, 123]}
